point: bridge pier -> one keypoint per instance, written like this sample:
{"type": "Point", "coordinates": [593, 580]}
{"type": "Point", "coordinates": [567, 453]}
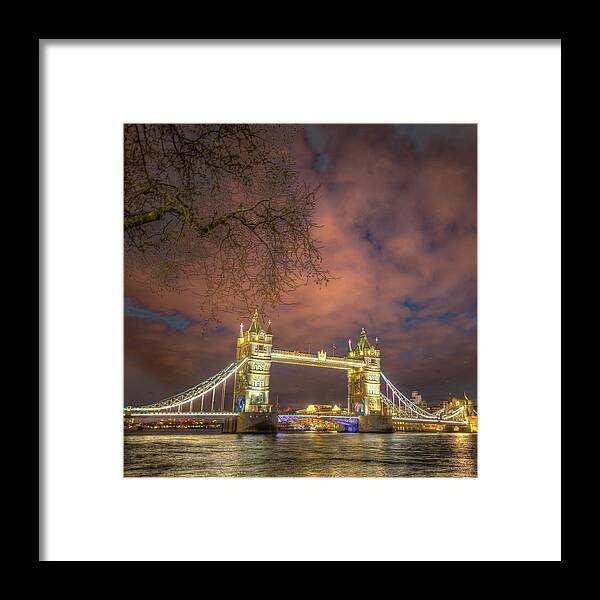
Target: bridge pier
{"type": "Point", "coordinates": [256, 422]}
{"type": "Point", "coordinates": [375, 424]}
{"type": "Point", "coordinates": [230, 425]}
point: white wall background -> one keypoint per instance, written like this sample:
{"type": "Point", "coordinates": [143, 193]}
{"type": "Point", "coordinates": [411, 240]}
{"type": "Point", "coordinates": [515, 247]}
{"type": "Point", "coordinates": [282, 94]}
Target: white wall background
{"type": "Point", "coordinates": [512, 91]}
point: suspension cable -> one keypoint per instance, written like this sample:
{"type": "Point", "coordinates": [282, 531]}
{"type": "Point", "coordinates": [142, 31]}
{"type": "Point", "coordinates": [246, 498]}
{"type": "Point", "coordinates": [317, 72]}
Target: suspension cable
{"type": "Point", "coordinates": [198, 391]}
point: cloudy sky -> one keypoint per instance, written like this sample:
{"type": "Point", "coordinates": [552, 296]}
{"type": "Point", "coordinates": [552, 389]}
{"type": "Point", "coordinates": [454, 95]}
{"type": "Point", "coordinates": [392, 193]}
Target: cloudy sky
{"type": "Point", "coordinates": [398, 210]}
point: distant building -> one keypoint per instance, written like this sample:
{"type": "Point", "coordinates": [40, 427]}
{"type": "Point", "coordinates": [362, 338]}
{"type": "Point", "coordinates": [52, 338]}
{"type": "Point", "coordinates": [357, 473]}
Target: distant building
{"type": "Point", "coordinates": [418, 399]}
{"type": "Point", "coordinates": [454, 401]}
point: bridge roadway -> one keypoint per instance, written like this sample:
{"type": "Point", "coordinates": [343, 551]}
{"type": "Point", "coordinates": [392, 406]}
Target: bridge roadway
{"type": "Point", "coordinates": [284, 416]}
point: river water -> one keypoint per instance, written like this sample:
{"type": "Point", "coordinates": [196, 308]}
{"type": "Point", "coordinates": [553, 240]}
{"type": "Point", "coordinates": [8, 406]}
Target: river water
{"type": "Point", "coordinates": [310, 454]}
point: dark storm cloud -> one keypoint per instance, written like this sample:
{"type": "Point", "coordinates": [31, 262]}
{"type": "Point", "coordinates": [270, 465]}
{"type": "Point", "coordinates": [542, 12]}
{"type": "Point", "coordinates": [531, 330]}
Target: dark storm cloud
{"type": "Point", "coordinates": [421, 135]}
{"type": "Point", "coordinates": [398, 216]}
{"type": "Point", "coordinates": [175, 321]}
{"type": "Point", "coordinates": [317, 138]}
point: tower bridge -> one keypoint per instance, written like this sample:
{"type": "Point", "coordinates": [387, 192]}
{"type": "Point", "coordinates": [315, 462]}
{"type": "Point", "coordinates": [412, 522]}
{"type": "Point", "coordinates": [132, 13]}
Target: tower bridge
{"type": "Point", "coordinates": [374, 403]}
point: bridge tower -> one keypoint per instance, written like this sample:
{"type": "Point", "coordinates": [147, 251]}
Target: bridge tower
{"type": "Point", "coordinates": [364, 387]}
{"type": "Point", "coordinates": [251, 389]}
{"type": "Point", "coordinates": [364, 394]}
{"type": "Point", "coordinates": [470, 415]}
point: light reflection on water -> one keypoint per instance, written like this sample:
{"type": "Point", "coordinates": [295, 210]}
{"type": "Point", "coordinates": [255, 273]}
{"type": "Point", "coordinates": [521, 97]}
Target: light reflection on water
{"type": "Point", "coordinates": [310, 454]}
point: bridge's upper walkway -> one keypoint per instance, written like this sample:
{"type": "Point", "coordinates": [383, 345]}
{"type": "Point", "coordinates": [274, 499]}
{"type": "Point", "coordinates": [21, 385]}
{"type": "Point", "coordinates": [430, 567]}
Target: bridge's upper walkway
{"type": "Point", "coordinates": [321, 359]}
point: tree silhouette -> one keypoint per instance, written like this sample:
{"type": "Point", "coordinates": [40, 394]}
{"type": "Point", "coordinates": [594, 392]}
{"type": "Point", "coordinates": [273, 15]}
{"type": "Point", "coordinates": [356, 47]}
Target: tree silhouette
{"type": "Point", "coordinates": [220, 211]}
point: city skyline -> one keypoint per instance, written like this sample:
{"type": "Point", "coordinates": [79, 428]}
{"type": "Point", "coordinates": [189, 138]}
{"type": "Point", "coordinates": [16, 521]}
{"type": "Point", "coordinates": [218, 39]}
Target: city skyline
{"type": "Point", "coordinates": [397, 211]}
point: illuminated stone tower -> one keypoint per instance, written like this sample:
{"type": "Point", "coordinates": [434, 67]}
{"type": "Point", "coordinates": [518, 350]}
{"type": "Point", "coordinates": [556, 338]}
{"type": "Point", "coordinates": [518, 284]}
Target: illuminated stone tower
{"type": "Point", "coordinates": [470, 415]}
{"type": "Point", "coordinates": [251, 389]}
{"type": "Point", "coordinates": [364, 394]}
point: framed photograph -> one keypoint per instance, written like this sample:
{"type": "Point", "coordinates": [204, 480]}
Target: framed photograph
{"type": "Point", "coordinates": [350, 251]}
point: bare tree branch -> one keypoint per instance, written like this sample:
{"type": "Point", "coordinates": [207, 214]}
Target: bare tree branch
{"type": "Point", "coordinates": [219, 210]}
